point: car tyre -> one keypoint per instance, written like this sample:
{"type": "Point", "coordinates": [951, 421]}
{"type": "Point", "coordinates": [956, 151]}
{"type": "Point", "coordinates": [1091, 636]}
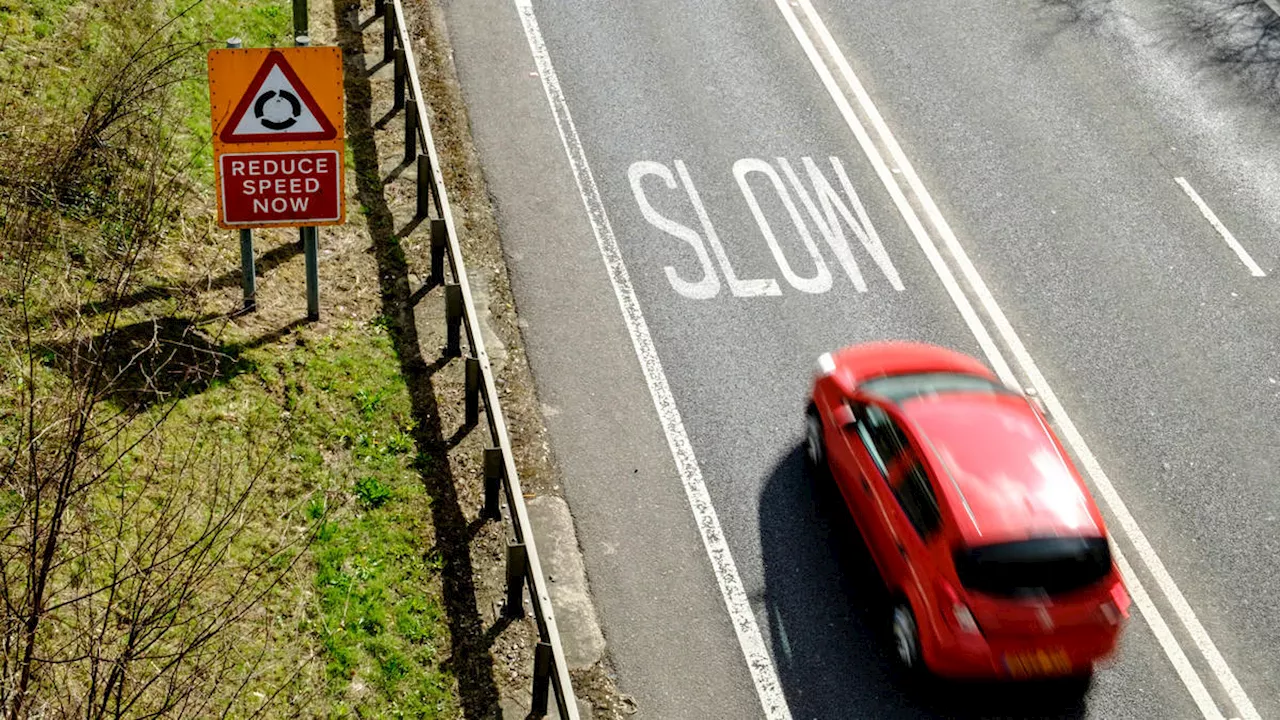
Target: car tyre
{"type": "Point", "coordinates": [905, 632]}
{"type": "Point", "coordinates": [815, 448]}
{"type": "Point", "coordinates": [1077, 685]}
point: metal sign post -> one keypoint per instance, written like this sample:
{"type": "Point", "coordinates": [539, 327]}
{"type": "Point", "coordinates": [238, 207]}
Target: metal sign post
{"type": "Point", "coordinates": [248, 272]}
{"type": "Point", "coordinates": [299, 17]}
{"type": "Point", "coordinates": [310, 235]}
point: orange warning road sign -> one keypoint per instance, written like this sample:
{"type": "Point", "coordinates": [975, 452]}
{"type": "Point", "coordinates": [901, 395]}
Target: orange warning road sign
{"type": "Point", "coordinates": [274, 109]}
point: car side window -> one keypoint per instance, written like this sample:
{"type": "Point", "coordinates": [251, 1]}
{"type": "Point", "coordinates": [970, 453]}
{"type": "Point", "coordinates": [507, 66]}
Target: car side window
{"type": "Point", "coordinates": [884, 440]}
{"type": "Point", "coordinates": [915, 495]}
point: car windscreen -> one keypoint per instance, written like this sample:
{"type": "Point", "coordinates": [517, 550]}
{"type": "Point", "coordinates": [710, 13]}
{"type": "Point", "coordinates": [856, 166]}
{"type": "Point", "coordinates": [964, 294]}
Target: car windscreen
{"type": "Point", "coordinates": [1040, 566]}
{"type": "Point", "coordinates": [898, 388]}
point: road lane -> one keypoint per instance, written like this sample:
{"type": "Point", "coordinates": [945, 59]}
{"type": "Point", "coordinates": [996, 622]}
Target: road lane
{"type": "Point", "coordinates": [711, 88]}
{"type": "Point", "coordinates": [662, 616]}
{"type": "Point", "coordinates": [1088, 233]}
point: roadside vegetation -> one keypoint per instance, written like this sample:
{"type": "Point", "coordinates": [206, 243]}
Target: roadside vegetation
{"type": "Point", "coordinates": [201, 513]}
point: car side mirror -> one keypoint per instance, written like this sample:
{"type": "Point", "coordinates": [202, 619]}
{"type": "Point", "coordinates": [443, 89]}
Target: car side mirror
{"type": "Point", "coordinates": [844, 417]}
{"type": "Point", "coordinates": [1034, 398]}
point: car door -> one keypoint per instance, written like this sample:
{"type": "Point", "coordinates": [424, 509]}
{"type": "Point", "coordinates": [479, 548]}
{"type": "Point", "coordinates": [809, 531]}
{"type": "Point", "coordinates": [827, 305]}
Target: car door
{"type": "Point", "coordinates": [916, 521]}
{"type": "Point", "coordinates": [875, 444]}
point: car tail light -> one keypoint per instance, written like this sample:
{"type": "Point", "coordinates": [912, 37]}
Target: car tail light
{"type": "Point", "coordinates": [960, 612]}
{"type": "Point", "coordinates": [1111, 613]}
{"type": "Point", "coordinates": [1116, 610]}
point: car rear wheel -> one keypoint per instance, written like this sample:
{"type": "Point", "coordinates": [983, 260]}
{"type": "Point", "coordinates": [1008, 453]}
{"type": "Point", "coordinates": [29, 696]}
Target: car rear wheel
{"type": "Point", "coordinates": [1077, 684]}
{"type": "Point", "coordinates": [906, 639]}
{"type": "Point", "coordinates": [814, 445]}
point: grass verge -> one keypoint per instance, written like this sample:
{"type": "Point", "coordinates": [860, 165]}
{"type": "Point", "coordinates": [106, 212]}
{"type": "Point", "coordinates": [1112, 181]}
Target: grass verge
{"type": "Point", "coordinates": [316, 420]}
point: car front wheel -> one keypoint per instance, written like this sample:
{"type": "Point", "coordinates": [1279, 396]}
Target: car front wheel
{"type": "Point", "coordinates": [815, 447]}
{"type": "Point", "coordinates": [906, 639]}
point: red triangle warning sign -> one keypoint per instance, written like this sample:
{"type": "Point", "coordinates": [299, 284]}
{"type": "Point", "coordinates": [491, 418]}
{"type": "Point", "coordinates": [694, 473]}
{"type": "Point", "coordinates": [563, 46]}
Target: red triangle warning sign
{"type": "Point", "coordinates": [276, 107]}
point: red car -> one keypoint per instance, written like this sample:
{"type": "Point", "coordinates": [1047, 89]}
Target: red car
{"type": "Point", "coordinates": [984, 532]}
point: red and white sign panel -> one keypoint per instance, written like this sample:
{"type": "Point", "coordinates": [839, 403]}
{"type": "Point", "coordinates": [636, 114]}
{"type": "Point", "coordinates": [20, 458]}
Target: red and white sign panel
{"type": "Point", "coordinates": [293, 188]}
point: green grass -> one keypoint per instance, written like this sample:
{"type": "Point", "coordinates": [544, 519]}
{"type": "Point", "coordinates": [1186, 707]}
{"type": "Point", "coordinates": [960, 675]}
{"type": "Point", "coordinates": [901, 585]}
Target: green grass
{"type": "Point", "coordinates": [258, 23]}
{"type": "Point", "coordinates": [326, 412]}
{"type": "Point", "coordinates": [330, 417]}
{"type": "Point", "coordinates": [380, 627]}
{"type": "Point", "coordinates": [67, 43]}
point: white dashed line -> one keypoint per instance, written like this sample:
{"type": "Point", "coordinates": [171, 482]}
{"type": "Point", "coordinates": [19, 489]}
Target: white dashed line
{"type": "Point", "coordinates": [1212, 217]}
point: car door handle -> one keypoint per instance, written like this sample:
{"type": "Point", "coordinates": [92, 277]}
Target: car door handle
{"type": "Point", "coordinates": [902, 550]}
{"type": "Point", "coordinates": [866, 486]}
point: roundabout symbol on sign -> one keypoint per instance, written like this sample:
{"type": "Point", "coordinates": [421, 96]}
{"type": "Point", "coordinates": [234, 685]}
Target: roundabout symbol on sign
{"type": "Point", "coordinates": [281, 98]}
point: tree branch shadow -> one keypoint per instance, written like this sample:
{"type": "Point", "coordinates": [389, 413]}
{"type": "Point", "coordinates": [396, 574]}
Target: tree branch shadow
{"type": "Point", "coordinates": [1236, 40]}
{"type": "Point", "coordinates": [160, 359]}
{"type": "Point", "coordinates": [1239, 39]}
{"type": "Point", "coordinates": [264, 263]}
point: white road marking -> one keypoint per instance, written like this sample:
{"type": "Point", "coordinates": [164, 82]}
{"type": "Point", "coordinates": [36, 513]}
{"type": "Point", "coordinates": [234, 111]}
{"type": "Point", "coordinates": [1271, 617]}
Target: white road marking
{"type": "Point", "coordinates": [739, 287]}
{"type": "Point", "coordinates": [828, 220]}
{"type": "Point", "coordinates": [1177, 656]}
{"type": "Point", "coordinates": [826, 212]}
{"type": "Point", "coordinates": [821, 280]}
{"type": "Point", "coordinates": [1094, 470]}
{"type": "Point", "coordinates": [1212, 217]}
{"type": "Point", "coordinates": [760, 664]}
{"type": "Point", "coordinates": [709, 285]}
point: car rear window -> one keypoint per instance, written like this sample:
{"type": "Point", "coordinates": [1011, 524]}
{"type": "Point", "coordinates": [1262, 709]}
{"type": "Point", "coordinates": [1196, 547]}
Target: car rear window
{"type": "Point", "coordinates": [1040, 566]}
{"type": "Point", "coordinates": [899, 388]}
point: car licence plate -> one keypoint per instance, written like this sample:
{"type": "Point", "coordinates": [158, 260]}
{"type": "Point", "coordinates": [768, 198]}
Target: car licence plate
{"type": "Point", "coordinates": [1037, 663]}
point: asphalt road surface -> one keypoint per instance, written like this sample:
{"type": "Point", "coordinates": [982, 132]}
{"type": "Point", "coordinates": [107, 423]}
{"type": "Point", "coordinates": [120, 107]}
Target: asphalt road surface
{"type": "Point", "coordinates": [699, 197]}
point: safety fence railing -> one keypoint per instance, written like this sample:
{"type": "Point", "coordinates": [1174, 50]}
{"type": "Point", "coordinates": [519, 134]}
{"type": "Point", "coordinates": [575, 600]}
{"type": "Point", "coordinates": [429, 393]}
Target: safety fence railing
{"type": "Point", "coordinates": [550, 671]}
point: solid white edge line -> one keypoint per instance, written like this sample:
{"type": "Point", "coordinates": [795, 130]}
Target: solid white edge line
{"type": "Point", "coordinates": [1195, 686]}
{"type": "Point", "coordinates": [1100, 480]}
{"type": "Point", "coordinates": [759, 662]}
{"type": "Point", "coordinates": [1226, 234]}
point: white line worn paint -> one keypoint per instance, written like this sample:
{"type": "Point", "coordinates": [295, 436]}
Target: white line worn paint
{"type": "Point", "coordinates": [1212, 217]}
{"type": "Point", "coordinates": [1092, 467]}
{"type": "Point", "coordinates": [759, 663]}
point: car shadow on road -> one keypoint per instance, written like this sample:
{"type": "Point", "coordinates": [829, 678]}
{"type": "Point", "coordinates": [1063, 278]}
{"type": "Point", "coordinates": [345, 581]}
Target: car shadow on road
{"type": "Point", "coordinates": [826, 609]}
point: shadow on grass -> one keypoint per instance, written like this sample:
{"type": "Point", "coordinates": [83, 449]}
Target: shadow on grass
{"type": "Point", "coordinates": [159, 360]}
{"type": "Point", "coordinates": [471, 663]}
{"type": "Point", "coordinates": [264, 263]}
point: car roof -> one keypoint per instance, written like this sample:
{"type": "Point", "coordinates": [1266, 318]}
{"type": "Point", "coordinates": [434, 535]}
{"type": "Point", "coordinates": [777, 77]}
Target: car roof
{"type": "Point", "coordinates": [1002, 472]}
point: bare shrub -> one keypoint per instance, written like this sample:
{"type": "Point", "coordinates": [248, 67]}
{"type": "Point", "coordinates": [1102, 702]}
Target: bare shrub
{"type": "Point", "coordinates": [135, 560]}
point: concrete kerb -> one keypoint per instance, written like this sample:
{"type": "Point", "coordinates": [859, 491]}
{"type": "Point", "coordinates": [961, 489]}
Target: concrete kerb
{"type": "Point", "coordinates": [566, 577]}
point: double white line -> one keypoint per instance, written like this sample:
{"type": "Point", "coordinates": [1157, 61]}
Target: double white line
{"type": "Point", "coordinates": [830, 55]}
